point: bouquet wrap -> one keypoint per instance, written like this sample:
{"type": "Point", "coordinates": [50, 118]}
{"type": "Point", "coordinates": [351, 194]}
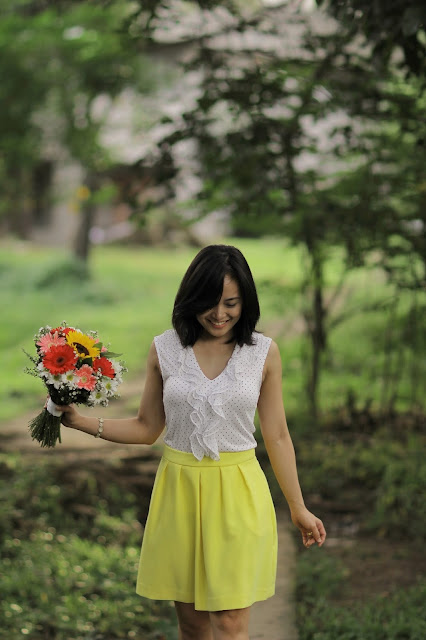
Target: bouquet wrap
{"type": "Point", "coordinates": [76, 368]}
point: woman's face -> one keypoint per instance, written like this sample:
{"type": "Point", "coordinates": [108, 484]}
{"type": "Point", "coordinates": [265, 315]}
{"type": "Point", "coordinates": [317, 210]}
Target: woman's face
{"type": "Point", "coordinates": [219, 321]}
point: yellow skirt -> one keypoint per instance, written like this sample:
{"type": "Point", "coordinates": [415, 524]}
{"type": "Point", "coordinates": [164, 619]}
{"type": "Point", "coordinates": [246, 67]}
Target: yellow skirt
{"type": "Point", "coordinates": [211, 534]}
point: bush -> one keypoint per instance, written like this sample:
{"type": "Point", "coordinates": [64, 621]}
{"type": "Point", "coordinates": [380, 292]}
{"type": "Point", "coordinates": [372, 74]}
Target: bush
{"type": "Point", "coordinates": [70, 499]}
{"type": "Point", "coordinates": [379, 477]}
{"type": "Point", "coordinates": [399, 507]}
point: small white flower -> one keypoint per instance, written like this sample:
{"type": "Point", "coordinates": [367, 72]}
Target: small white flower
{"type": "Point", "coordinates": [97, 397]}
{"type": "Point", "coordinates": [56, 379]}
{"type": "Point", "coordinates": [42, 372]}
{"type": "Point", "coordinates": [110, 386]}
{"type": "Point", "coordinates": [70, 379]}
{"type": "Point", "coordinates": [118, 368]}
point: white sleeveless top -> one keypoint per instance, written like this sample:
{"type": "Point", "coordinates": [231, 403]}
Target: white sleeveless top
{"type": "Point", "coordinates": [204, 416]}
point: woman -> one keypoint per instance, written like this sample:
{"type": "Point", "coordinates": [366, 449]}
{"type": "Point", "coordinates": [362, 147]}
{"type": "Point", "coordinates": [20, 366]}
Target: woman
{"type": "Point", "coordinates": [210, 538]}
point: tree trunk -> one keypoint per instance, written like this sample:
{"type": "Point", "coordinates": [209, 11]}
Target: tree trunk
{"type": "Point", "coordinates": [82, 244]}
{"type": "Point", "coordinates": [20, 216]}
{"type": "Point", "coordinates": [317, 332]}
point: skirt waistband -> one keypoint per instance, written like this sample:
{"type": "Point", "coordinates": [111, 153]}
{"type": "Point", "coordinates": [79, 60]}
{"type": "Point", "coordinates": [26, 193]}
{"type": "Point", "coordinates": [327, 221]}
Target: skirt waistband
{"type": "Point", "coordinates": [226, 458]}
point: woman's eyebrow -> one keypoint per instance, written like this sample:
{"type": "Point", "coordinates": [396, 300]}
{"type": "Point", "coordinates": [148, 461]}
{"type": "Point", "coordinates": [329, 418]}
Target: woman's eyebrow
{"type": "Point", "coordinates": [235, 298]}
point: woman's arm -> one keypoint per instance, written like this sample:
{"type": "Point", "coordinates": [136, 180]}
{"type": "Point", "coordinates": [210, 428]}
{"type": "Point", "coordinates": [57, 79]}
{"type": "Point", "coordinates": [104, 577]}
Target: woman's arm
{"type": "Point", "coordinates": [280, 449]}
{"type": "Point", "coordinates": [143, 429]}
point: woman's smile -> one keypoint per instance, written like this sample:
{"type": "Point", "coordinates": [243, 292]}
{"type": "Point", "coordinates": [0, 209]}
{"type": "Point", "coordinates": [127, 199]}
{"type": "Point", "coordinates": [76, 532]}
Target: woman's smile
{"type": "Point", "coordinates": [221, 319]}
{"type": "Point", "coordinates": [218, 325]}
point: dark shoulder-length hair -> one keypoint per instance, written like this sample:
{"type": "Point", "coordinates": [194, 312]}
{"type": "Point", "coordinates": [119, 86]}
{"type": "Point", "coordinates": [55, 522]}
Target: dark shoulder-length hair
{"type": "Point", "coordinates": [201, 289]}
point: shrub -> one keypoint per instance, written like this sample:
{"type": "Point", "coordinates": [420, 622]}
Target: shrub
{"type": "Point", "coordinates": [68, 499]}
{"type": "Point", "coordinates": [399, 507]}
{"type": "Point", "coordinates": [379, 477]}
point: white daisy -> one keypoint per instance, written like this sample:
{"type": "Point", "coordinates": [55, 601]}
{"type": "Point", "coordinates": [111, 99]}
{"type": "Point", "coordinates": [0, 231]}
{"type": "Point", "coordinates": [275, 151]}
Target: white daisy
{"type": "Point", "coordinates": [118, 368]}
{"type": "Point", "coordinates": [70, 379]}
{"type": "Point", "coordinates": [97, 397]}
{"type": "Point", "coordinates": [56, 379]}
{"type": "Point", "coordinates": [42, 372]}
{"type": "Point", "coordinates": [110, 386]}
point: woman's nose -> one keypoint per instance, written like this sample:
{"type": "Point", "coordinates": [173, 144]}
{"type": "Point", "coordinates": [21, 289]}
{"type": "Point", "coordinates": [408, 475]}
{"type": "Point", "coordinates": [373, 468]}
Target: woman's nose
{"type": "Point", "coordinates": [219, 312]}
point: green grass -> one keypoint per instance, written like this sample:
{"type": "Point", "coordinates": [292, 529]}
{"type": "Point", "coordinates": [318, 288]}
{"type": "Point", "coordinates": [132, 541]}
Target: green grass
{"type": "Point", "coordinates": [129, 299]}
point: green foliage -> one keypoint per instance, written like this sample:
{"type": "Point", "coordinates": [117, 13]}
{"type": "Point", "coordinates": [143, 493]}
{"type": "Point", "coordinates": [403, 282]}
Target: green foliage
{"type": "Point", "coordinates": [65, 272]}
{"type": "Point", "coordinates": [400, 616]}
{"type": "Point", "coordinates": [379, 477]}
{"type": "Point", "coordinates": [83, 502]}
{"type": "Point", "coordinates": [321, 147]}
{"type": "Point", "coordinates": [387, 25]}
{"type": "Point", "coordinates": [399, 505]}
{"type": "Point", "coordinates": [69, 546]}
{"type": "Point", "coordinates": [321, 588]}
{"type": "Point", "coordinates": [256, 123]}
{"type": "Point", "coordinates": [319, 576]}
{"type": "Point", "coordinates": [63, 587]}
{"type": "Point", "coordinates": [56, 59]}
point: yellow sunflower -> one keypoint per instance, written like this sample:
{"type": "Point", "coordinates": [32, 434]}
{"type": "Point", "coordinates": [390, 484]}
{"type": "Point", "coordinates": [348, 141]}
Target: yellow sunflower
{"type": "Point", "coordinates": [83, 345]}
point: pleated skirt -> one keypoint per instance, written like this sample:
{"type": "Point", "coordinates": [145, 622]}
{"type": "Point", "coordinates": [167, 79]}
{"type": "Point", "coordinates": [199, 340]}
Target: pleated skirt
{"type": "Point", "coordinates": [211, 535]}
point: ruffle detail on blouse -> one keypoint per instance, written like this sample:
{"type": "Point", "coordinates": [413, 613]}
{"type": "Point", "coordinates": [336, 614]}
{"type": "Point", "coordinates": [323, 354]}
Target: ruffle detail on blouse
{"type": "Point", "coordinates": [208, 397]}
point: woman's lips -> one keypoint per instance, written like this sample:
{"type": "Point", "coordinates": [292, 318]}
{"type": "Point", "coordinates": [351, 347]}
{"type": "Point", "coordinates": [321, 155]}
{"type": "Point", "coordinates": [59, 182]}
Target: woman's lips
{"type": "Point", "coordinates": [218, 325]}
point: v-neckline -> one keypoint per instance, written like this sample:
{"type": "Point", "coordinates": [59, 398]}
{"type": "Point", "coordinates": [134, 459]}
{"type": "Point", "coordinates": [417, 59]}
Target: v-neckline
{"type": "Point", "coordinates": [223, 370]}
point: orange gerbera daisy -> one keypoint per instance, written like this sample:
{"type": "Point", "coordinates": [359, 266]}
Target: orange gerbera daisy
{"type": "Point", "coordinates": [104, 366]}
{"type": "Point", "coordinates": [60, 359]}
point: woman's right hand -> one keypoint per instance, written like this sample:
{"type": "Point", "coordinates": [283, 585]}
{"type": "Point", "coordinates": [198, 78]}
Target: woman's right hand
{"type": "Point", "coordinates": [70, 416]}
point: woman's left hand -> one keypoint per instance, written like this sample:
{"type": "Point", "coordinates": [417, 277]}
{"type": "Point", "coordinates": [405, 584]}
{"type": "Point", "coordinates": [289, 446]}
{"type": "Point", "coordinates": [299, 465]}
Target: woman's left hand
{"type": "Point", "coordinates": [311, 527]}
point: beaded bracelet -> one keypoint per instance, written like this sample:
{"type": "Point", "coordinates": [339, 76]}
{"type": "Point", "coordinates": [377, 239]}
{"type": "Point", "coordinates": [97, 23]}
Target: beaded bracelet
{"type": "Point", "coordinates": [100, 428]}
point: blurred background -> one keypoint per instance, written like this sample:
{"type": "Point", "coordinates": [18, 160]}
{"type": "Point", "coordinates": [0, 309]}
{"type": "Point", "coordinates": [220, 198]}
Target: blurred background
{"type": "Point", "coordinates": [132, 134]}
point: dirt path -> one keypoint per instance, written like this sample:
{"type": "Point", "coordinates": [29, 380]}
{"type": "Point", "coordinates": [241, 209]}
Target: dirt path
{"type": "Point", "coordinates": [272, 619]}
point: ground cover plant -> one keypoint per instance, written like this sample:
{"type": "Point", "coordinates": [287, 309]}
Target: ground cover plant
{"type": "Point", "coordinates": [365, 474]}
{"type": "Point", "coordinates": [326, 611]}
{"type": "Point", "coordinates": [70, 537]}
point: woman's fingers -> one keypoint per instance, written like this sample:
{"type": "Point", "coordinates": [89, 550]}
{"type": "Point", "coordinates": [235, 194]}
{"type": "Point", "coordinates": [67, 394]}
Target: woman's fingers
{"type": "Point", "coordinates": [316, 534]}
{"type": "Point", "coordinates": [309, 537]}
{"type": "Point", "coordinates": [322, 533]}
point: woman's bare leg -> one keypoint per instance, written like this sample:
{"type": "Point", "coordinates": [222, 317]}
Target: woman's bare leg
{"type": "Point", "coordinates": [193, 625]}
{"type": "Point", "coordinates": [230, 625]}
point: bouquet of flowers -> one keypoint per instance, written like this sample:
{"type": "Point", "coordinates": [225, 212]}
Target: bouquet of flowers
{"type": "Point", "coordinates": [76, 368]}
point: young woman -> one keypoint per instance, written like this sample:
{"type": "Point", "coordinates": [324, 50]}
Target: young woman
{"type": "Point", "coordinates": [210, 539]}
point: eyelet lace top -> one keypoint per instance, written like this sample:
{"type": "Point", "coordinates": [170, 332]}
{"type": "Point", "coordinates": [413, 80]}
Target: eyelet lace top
{"type": "Point", "coordinates": [205, 416]}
